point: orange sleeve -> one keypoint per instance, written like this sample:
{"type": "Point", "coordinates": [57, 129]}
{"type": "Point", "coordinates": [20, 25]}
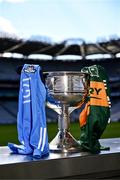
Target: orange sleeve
{"type": "Point", "coordinates": [84, 114]}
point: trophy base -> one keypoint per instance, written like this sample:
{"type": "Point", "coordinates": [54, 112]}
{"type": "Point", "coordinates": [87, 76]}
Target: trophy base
{"type": "Point", "coordinates": [64, 142]}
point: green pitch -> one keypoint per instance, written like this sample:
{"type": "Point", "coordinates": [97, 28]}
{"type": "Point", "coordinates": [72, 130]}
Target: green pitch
{"type": "Point", "coordinates": [8, 133]}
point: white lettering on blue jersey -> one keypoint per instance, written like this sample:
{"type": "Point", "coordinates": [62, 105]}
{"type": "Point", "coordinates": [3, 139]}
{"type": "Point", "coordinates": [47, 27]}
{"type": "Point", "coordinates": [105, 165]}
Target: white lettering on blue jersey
{"type": "Point", "coordinates": [26, 90]}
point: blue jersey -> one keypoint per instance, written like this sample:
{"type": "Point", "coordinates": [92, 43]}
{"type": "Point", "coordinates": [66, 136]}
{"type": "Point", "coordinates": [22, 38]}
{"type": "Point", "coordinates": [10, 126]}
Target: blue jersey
{"type": "Point", "coordinates": [31, 120]}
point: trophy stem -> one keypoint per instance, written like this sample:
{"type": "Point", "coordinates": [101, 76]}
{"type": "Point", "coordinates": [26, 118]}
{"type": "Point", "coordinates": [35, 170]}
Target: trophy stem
{"type": "Point", "coordinates": [64, 142]}
{"type": "Point", "coordinates": [64, 119]}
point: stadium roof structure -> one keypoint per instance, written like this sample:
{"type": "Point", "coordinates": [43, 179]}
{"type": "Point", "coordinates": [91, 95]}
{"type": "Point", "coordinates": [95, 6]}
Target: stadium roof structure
{"type": "Point", "coordinates": [67, 47]}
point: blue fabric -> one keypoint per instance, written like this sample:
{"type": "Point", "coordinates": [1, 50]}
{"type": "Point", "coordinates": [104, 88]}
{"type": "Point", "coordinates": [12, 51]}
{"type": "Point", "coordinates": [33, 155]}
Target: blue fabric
{"type": "Point", "coordinates": [31, 121]}
{"type": "Point", "coordinates": [51, 99]}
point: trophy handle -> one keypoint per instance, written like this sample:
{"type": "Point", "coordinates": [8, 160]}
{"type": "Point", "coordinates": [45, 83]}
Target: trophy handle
{"type": "Point", "coordinates": [56, 108]}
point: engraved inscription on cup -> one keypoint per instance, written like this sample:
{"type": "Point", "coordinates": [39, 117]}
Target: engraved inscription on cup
{"type": "Point", "coordinates": [68, 87]}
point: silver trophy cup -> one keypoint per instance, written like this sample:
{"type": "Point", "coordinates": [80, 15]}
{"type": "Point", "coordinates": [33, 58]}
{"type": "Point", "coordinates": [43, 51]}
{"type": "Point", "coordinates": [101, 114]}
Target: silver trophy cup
{"type": "Point", "coordinates": [69, 89]}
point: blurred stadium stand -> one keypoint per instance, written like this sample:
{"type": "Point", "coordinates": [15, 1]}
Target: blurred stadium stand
{"type": "Point", "coordinates": [16, 52]}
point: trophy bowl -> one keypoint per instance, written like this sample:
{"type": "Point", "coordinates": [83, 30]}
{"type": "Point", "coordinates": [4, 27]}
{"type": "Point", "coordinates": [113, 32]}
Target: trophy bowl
{"type": "Point", "coordinates": [69, 89]}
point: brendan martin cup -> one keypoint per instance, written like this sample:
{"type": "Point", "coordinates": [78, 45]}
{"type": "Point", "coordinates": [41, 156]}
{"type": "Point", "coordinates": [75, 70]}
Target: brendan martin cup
{"type": "Point", "coordinates": [70, 89]}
